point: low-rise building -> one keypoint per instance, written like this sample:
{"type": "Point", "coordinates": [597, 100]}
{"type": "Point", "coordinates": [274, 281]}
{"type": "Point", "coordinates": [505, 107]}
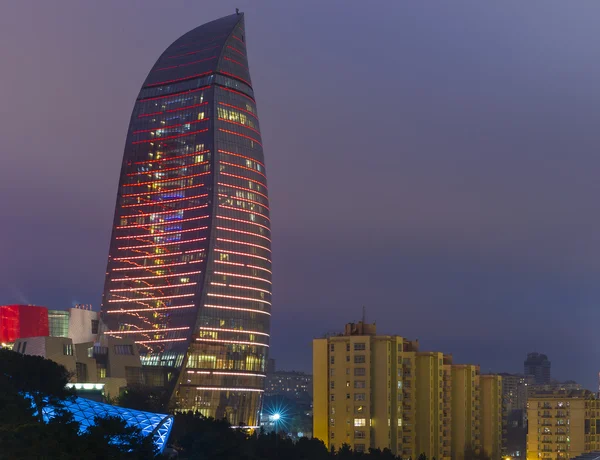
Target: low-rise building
{"type": "Point", "coordinates": [114, 362]}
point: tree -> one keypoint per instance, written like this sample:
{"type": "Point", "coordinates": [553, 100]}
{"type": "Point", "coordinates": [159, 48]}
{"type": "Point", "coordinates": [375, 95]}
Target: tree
{"type": "Point", "coordinates": [110, 437]}
{"type": "Point", "coordinates": [43, 380]}
{"type": "Point", "coordinates": [144, 397]}
{"type": "Point", "coordinates": [29, 387]}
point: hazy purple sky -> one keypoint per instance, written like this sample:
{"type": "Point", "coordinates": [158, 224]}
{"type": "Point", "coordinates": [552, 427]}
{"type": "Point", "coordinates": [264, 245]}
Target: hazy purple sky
{"type": "Point", "coordinates": [437, 162]}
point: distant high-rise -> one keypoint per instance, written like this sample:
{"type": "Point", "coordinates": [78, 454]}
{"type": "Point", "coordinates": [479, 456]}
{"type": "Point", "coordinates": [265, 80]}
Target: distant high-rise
{"type": "Point", "coordinates": [189, 267]}
{"type": "Point", "coordinates": [537, 365]}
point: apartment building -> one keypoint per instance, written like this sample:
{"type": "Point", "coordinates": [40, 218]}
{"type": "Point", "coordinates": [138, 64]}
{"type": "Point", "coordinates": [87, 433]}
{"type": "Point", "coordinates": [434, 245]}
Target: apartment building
{"type": "Point", "coordinates": [562, 424]}
{"type": "Point", "coordinates": [380, 391]}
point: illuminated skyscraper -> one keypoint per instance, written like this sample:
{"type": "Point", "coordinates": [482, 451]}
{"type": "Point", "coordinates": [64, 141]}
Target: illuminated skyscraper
{"type": "Point", "coordinates": [189, 268]}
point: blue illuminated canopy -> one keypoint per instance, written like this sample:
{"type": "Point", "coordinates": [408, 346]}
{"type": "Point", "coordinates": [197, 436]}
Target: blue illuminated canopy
{"type": "Point", "coordinates": [84, 410]}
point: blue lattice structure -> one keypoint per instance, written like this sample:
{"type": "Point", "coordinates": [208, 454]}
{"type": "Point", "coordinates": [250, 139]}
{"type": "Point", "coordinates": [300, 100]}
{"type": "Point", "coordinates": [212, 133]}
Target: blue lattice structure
{"type": "Point", "coordinates": [84, 410]}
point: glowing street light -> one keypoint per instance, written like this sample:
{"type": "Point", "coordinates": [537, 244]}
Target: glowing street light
{"type": "Point", "coordinates": [276, 416]}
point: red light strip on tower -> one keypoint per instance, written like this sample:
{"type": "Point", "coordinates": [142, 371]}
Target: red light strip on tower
{"type": "Point", "coordinates": [149, 331]}
{"type": "Point", "coordinates": [173, 158]}
{"type": "Point", "coordinates": [260, 268]}
{"type": "Point", "coordinates": [172, 275]}
{"type": "Point", "coordinates": [244, 243]}
{"type": "Point", "coordinates": [236, 92]}
{"type": "Point", "coordinates": [125, 299]}
{"type": "Point", "coordinates": [236, 275]}
{"type": "Point", "coordinates": [170, 211]}
{"type": "Point", "coordinates": [193, 52]}
{"type": "Point", "coordinates": [238, 134]}
{"type": "Point", "coordinates": [163, 202]}
{"type": "Point", "coordinates": [242, 167]}
{"type": "Point", "coordinates": [249, 310]}
{"type": "Point", "coordinates": [245, 179]}
{"type": "Point", "coordinates": [243, 254]}
{"type": "Point", "coordinates": [154, 224]}
{"type": "Point", "coordinates": [160, 139]}
{"type": "Point", "coordinates": [241, 374]}
{"type": "Point", "coordinates": [203, 42]}
{"type": "Point", "coordinates": [244, 222]}
{"type": "Point", "coordinates": [224, 120]}
{"type": "Point", "coordinates": [151, 288]}
{"type": "Point", "coordinates": [241, 156]}
{"type": "Point", "coordinates": [240, 109]}
{"type": "Point", "coordinates": [236, 50]}
{"type": "Point", "coordinates": [247, 299]}
{"type": "Point", "coordinates": [154, 235]}
{"type": "Point", "coordinates": [149, 114]}
{"type": "Point", "coordinates": [238, 39]}
{"type": "Point", "coordinates": [141, 267]}
{"type": "Point", "coordinates": [245, 233]}
{"type": "Point", "coordinates": [178, 125]}
{"type": "Point", "coordinates": [166, 82]}
{"type": "Point", "coordinates": [174, 94]}
{"type": "Point", "coordinates": [244, 210]}
{"type": "Point", "coordinates": [160, 341]}
{"type": "Point", "coordinates": [219, 329]}
{"type": "Point", "coordinates": [235, 62]}
{"type": "Point", "coordinates": [229, 263]}
{"type": "Point", "coordinates": [160, 245]}
{"type": "Point", "coordinates": [186, 107]}
{"type": "Point", "coordinates": [162, 181]}
{"type": "Point", "coordinates": [240, 342]}
{"type": "Point", "coordinates": [186, 64]}
{"type": "Point", "coordinates": [142, 310]}
{"type": "Point", "coordinates": [175, 168]}
{"type": "Point", "coordinates": [169, 190]}
{"type": "Point", "coordinates": [229, 389]}
{"type": "Point", "coordinates": [149, 256]}
{"type": "Point", "coordinates": [250, 288]}
{"type": "Point", "coordinates": [237, 77]}
{"type": "Point", "coordinates": [243, 188]}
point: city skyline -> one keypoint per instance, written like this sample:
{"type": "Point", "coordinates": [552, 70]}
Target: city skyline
{"type": "Point", "coordinates": [449, 192]}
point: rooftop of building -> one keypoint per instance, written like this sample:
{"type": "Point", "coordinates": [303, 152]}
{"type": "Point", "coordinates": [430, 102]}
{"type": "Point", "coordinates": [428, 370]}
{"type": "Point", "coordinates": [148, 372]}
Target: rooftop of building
{"type": "Point", "coordinates": [557, 394]}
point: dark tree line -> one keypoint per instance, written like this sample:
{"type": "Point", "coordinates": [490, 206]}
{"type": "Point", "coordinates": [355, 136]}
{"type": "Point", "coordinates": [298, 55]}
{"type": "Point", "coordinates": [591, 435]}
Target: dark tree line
{"type": "Point", "coordinates": [30, 384]}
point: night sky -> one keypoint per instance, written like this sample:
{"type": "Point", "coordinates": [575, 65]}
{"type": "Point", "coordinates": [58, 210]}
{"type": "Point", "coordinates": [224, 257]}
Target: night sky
{"type": "Point", "coordinates": [436, 162]}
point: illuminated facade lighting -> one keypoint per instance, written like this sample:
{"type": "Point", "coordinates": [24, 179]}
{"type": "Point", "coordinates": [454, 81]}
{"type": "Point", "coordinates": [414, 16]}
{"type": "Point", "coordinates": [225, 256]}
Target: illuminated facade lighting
{"type": "Point", "coordinates": [191, 186]}
{"type": "Point", "coordinates": [239, 342]}
{"type": "Point", "coordinates": [228, 389]}
{"type": "Point", "coordinates": [232, 330]}
{"type": "Point", "coordinates": [249, 310]}
{"type": "Point", "coordinates": [138, 310]}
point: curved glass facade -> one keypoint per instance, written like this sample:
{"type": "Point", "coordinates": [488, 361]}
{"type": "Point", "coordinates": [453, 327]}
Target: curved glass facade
{"type": "Point", "coordinates": [84, 410]}
{"type": "Point", "coordinates": [189, 269]}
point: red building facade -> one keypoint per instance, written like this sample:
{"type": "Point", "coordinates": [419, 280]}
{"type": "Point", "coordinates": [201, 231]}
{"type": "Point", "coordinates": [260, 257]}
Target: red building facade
{"type": "Point", "coordinates": [18, 321]}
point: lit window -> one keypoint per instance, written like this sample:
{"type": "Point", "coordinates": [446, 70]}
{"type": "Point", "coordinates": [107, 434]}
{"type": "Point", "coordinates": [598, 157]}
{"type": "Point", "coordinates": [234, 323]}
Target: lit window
{"type": "Point", "coordinates": [360, 422]}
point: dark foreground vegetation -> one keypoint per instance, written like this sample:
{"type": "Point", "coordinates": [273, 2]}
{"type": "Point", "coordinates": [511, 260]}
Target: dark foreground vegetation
{"type": "Point", "coordinates": [28, 384]}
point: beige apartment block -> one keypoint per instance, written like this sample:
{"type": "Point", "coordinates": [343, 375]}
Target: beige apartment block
{"type": "Point", "coordinates": [562, 424]}
{"type": "Point", "coordinates": [379, 391]}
